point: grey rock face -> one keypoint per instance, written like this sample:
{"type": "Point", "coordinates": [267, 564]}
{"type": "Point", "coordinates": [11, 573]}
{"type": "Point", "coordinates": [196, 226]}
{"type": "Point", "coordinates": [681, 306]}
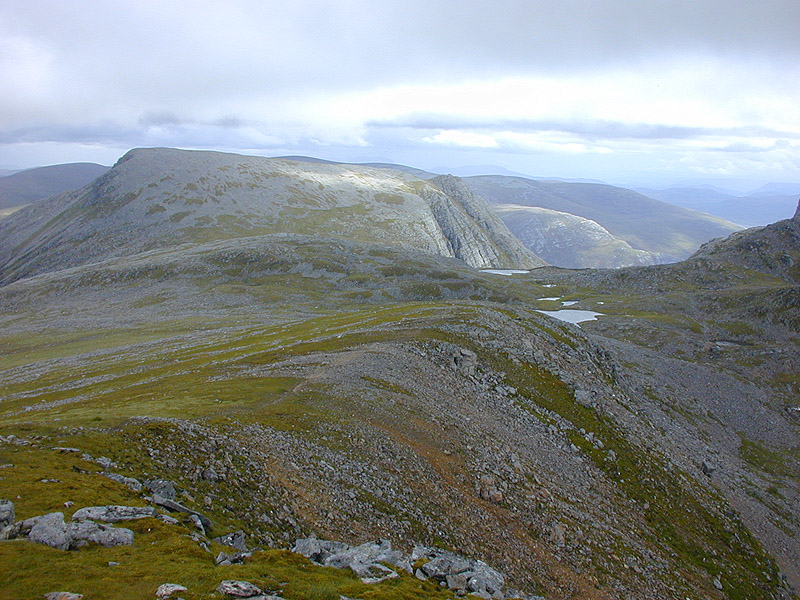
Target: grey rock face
{"type": "Point", "coordinates": [63, 596]}
{"type": "Point", "coordinates": [114, 514]}
{"type": "Point", "coordinates": [457, 210]}
{"type": "Point", "coordinates": [51, 530]}
{"type": "Point", "coordinates": [238, 589]}
{"type": "Point", "coordinates": [6, 513]}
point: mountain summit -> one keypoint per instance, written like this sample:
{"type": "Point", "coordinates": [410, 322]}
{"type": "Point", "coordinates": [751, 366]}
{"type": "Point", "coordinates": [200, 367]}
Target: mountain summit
{"type": "Point", "coordinates": [160, 198]}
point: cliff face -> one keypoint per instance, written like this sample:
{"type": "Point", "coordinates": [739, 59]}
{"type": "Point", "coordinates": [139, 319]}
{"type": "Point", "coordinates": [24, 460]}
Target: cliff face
{"type": "Point", "coordinates": [161, 198]}
{"type": "Point", "coordinates": [473, 233]}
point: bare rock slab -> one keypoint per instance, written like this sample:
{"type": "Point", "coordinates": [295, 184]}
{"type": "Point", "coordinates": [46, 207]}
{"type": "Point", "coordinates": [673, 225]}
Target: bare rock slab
{"type": "Point", "coordinates": [238, 589]}
{"type": "Point", "coordinates": [114, 514]}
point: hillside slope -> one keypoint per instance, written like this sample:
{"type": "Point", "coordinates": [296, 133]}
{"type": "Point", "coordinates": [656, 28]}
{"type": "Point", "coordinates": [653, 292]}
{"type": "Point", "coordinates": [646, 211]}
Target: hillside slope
{"type": "Point", "coordinates": [156, 198]}
{"type": "Point", "coordinates": [642, 222]}
{"type": "Point", "coordinates": [566, 240]}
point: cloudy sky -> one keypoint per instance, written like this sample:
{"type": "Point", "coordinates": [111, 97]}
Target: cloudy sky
{"type": "Point", "coordinates": [646, 91]}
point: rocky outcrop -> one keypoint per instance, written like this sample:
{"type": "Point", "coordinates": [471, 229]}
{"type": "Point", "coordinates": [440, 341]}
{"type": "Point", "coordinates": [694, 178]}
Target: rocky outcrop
{"type": "Point", "coordinates": [773, 249]}
{"type": "Point", "coordinates": [457, 211]}
{"type": "Point", "coordinates": [460, 574]}
{"type": "Point", "coordinates": [114, 514]}
{"type": "Point", "coordinates": [204, 522]}
{"type": "Point", "coordinates": [51, 530]}
{"type": "Point", "coordinates": [364, 560]}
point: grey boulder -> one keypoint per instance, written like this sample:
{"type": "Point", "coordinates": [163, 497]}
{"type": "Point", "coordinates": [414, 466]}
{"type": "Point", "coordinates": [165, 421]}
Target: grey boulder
{"type": "Point", "coordinates": [166, 590]}
{"type": "Point", "coordinates": [238, 589]}
{"type": "Point", "coordinates": [235, 540]}
{"type": "Point", "coordinates": [133, 484]}
{"type": "Point", "coordinates": [51, 530]}
{"type": "Point", "coordinates": [113, 513]}
{"type": "Point", "coordinates": [6, 513]}
{"type": "Point", "coordinates": [98, 533]}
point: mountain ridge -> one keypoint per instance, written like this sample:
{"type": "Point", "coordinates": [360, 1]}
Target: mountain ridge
{"type": "Point", "coordinates": [158, 197]}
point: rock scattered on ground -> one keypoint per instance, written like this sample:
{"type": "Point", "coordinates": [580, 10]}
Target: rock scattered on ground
{"type": "Point", "coordinates": [166, 590]}
{"type": "Point", "coordinates": [460, 574]}
{"type": "Point", "coordinates": [133, 484]}
{"type": "Point", "coordinates": [53, 531]}
{"type": "Point", "coordinates": [159, 500]}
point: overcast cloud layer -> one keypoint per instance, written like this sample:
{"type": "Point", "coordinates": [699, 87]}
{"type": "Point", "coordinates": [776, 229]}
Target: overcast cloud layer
{"type": "Point", "coordinates": [648, 90]}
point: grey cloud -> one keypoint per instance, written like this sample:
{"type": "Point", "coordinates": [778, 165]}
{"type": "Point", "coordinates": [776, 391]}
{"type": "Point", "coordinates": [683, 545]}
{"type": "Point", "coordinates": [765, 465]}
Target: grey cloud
{"type": "Point", "coordinates": [595, 129]}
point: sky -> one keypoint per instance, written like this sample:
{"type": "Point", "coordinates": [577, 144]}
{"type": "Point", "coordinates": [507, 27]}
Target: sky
{"type": "Point", "coordinates": [646, 92]}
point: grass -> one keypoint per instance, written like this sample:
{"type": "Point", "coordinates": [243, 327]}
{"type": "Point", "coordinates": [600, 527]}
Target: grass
{"type": "Point", "coordinates": [778, 463]}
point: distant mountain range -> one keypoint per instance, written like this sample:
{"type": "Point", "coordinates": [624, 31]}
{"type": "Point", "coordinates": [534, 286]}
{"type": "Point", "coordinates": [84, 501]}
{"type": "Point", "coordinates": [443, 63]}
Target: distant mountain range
{"type": "Point", "coordinates": [770, 203]}
{"type": "Point", "coordinates": [571, 224]}
{"type": "Point", "coordinates": [668, 233]}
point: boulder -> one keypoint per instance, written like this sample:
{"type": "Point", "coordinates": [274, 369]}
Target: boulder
{"type": "Point", "coordinates": [238, 589]}
{"type": "Point", "coordinates": [6, 513]}
{"type": "Point", "coordinates": [558, 534]}
{"type": "Point", "coordinates": [235, 540]}
{"type": "Point", "coordinates": [162, 487]}
{"type": "Point", "coordinates": [465, 361]}
{"type": "Point", "coordinates": [51, 530]}
{"type": "Point", "coordinates": [446, 563]}
{"type": "Point", "coordinates": [166, 590]}
{"type": "Point", "coordinates": [236, 558]}
{"type": "Point", "coordinates": [113, 513]}
{"type": "Point", "coordinates": [133, 484]}
{"type": "Point", "coordinates": [98, 533]}
{"type": "Point", "coordinates": [373, 572]}
{"type": "Point", "coordinates": [709, 466]}
{"type": "Point", "coordinates": [318, 550]}
{"type": "Point", "coordinates": [483, 578]}
{"type": "Point", "coordinates": [18, 529]}
{"type": "Point", "coordinates": [63, 596]}
{"type": "Point", "coordinates": [159, 500]}
{"type": "Point", "coordinates": [487, 489]}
